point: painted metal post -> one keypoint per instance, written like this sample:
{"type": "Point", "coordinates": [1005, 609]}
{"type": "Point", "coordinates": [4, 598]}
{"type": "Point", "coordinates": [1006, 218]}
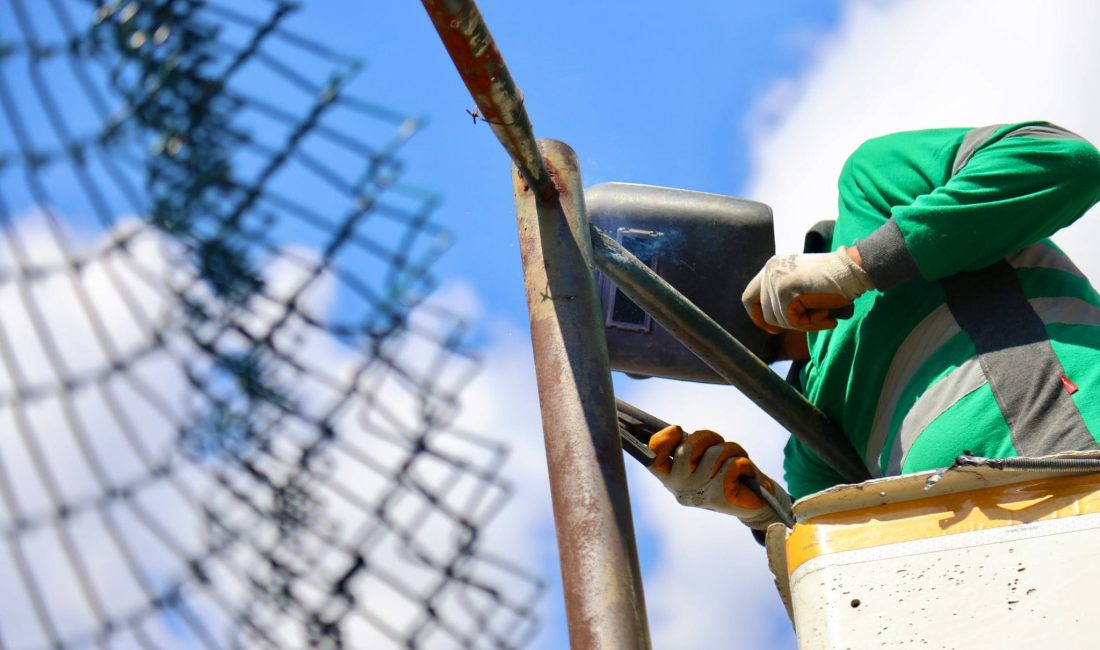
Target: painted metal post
{"type": "Point", "coordinates": [604, 604]}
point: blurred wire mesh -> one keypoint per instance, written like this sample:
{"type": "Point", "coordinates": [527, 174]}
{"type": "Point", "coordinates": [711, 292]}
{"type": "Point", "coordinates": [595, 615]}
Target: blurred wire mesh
{"type": "Point", "coordinates": [226, 390]}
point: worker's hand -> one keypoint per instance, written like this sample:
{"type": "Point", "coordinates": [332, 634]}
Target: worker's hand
{"type": "Point", "coordinates": [798, 292]}
{"type": "Point", "coordinates": [703, 470]}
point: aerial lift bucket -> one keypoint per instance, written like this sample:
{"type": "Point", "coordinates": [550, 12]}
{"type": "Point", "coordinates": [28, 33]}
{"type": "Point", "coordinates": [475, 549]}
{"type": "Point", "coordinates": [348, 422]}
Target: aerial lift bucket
{"type": "Point", "coordinates": [982, 558]}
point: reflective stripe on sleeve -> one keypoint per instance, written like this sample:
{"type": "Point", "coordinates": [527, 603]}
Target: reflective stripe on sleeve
{"type": "Point", "coordinates": [1041, 256]}
{"type": "Point", "coordinates": [1044, 132]}
{"type": "Point", "coordinates": [1066, 311]}
{"type": "Point", "coordinates": [1019, 362]}
{"type": "Point", "coordinates": [974, 138]}
{"type": "Point", "coordinates": [931, 334]}
{"type": "Point", "coordinates": [977, 137]}
{"type": "Point", "coordinates": [969, 377]}
{"type": "Point", "coordinates": [935, 401]}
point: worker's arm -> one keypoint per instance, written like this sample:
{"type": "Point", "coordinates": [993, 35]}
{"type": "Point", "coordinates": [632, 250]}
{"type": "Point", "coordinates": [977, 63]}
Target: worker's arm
{"type": "Point", "coordinates": [1011, 187]}
{"type": "Point", "coordinates": [703, 470]}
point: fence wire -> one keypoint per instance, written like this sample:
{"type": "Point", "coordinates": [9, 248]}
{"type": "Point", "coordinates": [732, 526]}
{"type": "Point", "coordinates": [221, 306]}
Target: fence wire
{"type": "Point", "coordinates": [227, 391]}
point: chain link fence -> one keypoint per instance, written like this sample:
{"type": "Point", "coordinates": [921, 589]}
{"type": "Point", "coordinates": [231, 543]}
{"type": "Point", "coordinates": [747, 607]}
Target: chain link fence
{"type": "Point", "coordinates": [227, 390]}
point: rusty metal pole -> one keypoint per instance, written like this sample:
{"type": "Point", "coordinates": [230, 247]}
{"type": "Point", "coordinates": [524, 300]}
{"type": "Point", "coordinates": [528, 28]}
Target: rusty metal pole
{"type": "Point", "coordinates": [498, 98]}
{"type": "Point", "coordinates": [604, 604]}
{"type": "Point", "coordinates": [599, 560]}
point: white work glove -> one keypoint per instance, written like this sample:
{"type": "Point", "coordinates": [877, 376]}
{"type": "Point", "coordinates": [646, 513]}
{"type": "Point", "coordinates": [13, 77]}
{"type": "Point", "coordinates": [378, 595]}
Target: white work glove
{"type": "Point", "coordinates": [702, 470]}
{"type": "Point", "coordinates": [797, 292]}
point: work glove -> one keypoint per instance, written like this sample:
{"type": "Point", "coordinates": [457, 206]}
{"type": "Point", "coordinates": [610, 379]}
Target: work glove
{"type": "Point", "coordinates": [799, 292]}
{"type": "Point", "coordinates": [703, 470]}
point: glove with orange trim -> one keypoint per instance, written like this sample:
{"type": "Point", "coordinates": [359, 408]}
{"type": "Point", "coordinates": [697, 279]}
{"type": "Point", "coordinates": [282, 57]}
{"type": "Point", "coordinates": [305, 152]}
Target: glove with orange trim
{"type": "Point", "coordinates": [703, 470]}
{"type": "Point", "coordinates": [800, 292]}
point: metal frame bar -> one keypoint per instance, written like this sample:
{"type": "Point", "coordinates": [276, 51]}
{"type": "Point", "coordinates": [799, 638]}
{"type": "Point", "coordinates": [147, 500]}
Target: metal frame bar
{"type": "Point", "coordinates": [499, 101]}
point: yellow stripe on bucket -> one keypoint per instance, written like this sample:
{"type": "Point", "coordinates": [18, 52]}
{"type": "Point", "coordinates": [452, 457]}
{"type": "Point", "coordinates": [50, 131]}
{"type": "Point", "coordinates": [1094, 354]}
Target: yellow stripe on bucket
{"type": "Point", "coordinates": [945, 514]}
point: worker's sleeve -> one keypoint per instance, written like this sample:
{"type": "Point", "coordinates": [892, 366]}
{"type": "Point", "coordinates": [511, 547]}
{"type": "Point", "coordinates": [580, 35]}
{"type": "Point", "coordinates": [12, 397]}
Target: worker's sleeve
{"type": "Point", "coordinates": [1016, 186]}
{"type": "Point", "coordinates": [805, 472]}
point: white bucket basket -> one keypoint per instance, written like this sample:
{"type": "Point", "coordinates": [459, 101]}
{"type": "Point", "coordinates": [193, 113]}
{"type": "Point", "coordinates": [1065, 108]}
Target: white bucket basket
{"type": "Point", "coordinates": [984, 559]}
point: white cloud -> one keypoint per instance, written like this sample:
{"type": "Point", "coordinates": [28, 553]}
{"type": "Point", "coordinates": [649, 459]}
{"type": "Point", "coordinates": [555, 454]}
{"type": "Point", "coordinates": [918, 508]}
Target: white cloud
{"type": "Point", "coordinates": [894, 66]}
{"type": "Point", "coordinates": [502, 404]}
{"type": "Point", "coordinates": [379, 424]}
{"type": "Point", "coordinates": [59, 326]}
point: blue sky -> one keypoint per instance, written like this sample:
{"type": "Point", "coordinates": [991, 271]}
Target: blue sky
{"type": "Point", "coordinates": [643, 91]}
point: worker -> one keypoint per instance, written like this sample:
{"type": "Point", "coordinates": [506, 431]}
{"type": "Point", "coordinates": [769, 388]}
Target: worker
{"type": "Point", "coordinates": [971, 332]}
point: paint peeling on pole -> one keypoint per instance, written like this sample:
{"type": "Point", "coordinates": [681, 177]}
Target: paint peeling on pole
{"type": "Point", "coordinates": [600, 574]}
{"type": "Point", "coordinates": [499, 100]}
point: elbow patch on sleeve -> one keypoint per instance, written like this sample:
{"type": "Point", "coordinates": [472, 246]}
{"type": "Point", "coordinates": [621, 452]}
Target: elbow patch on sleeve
{"type": "Point", "coordinates": [1044, 131]}
{"type": "Point", "coordinates": [886, 258]}
{"type": "Point", "coordinates": [980, 137]}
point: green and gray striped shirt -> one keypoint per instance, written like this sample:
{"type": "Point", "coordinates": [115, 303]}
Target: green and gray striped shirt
{"type": "Point", "coordinates": [983, 337]}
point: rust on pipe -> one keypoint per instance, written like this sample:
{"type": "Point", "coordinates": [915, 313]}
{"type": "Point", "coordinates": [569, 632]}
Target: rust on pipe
{"type": "Point", "coordinates": [728, 357]}
{"type": "Point", "coordinates": [499, 101]}
{"type": "Point", "coordinates": [604, 604]}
